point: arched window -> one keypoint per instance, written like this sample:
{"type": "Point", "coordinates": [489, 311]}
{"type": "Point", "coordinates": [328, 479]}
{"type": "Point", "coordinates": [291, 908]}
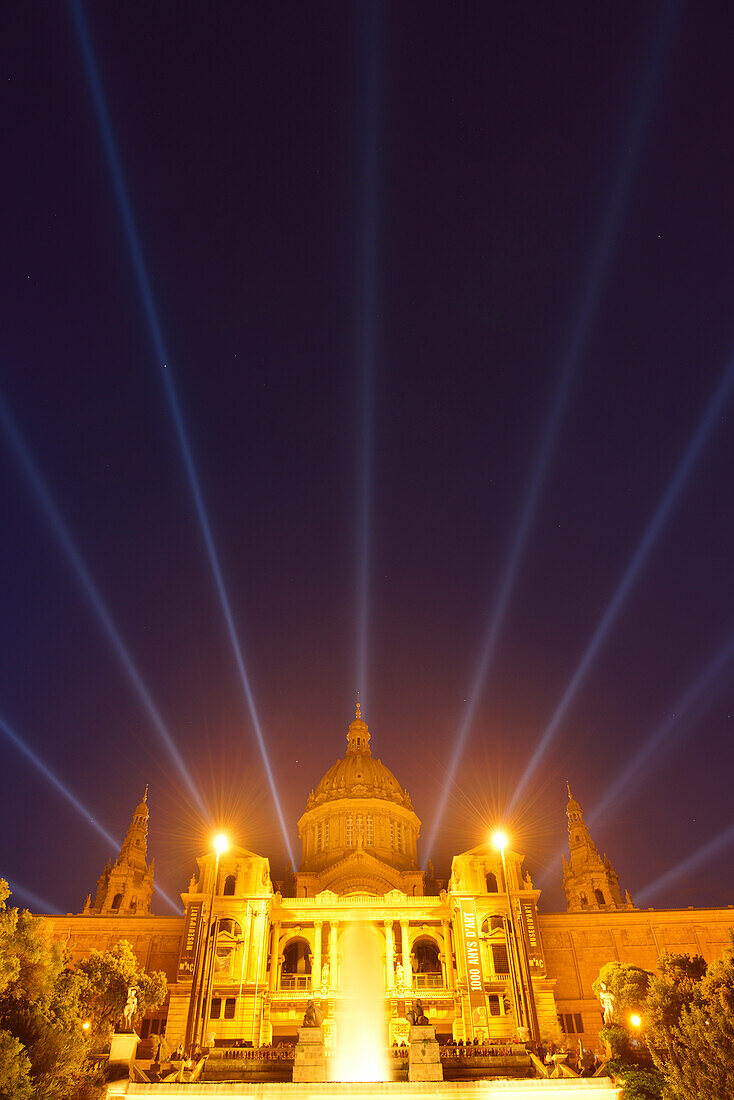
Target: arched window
{"type": "Point", "coordinates": [427, 965]}
{"type": "Point", "coordinates": [492, 887]}
{"type": "Point", "coordinates": [296, 970]}
{"type": "Point", "coordinates": [229, 884]}
{"type": "Point", "coordinates": [494, 1005]}
{"type": "Point", "coordinates": [117, 901]}
{"type": "Point", "coordinates": [228, 925]}
{"type": "Point", "coordinates": [600, 899]}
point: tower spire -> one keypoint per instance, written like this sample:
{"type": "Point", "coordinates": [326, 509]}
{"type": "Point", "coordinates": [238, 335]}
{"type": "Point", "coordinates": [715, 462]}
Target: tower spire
{"type": "Point", "coordinates": [126, 886]}
{"type": "Point", "coordinates": [589, 880]}
{"type": "Point", "coordinates": [358, 712]}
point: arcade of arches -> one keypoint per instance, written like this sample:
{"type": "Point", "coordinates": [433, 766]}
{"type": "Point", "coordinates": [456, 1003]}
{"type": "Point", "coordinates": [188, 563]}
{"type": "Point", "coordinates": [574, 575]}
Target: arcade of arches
{"type": "Point", "coordinates": [477, 950]}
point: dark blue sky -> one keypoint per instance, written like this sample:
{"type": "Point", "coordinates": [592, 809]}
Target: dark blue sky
{"type": "Point", "coordinates": [242, 136]}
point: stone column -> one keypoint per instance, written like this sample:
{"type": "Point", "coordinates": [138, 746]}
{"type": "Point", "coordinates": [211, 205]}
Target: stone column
{"type": "Point", "coordinates": [389, 956]}
{"type": "Point", "coordinates": [274, 957]}
{"type": "Point", "coordinates": [406, 955]}
{"type": "Point", "coordinates": [448, 957]}
{"type": "Point", "coordinates": [333, 961]}
{"type": "Point", "coordinates": [316, 965]}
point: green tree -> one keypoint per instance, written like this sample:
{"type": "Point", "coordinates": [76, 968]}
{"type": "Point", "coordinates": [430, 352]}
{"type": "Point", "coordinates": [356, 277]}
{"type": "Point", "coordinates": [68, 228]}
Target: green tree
{"type": "Point", "coordinates": [15, 1068]}
{"type": "Point", "coordinates": [44, 1001]}
{"type": "Point", "coordinates": [105, 978]}
{"type": "Point", "coordinates": [42, 1044]}
{"type": "Point", "coordinates": [628, 986]}
{"type": "Point", "coordinates": [631, 1060]}
{"type": "Point", "coordinates": [691, 1013]}
{"type": "Point", "coordinates": [674, 988]}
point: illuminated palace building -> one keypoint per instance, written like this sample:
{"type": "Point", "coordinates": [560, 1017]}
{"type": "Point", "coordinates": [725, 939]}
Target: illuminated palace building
{"type": "Point", "coordinates": [244, 958]}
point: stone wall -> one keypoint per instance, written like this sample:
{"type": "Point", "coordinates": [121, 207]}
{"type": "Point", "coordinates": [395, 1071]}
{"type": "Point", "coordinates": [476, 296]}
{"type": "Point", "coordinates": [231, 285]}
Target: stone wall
{"type": "Point", "coordinates": [577, 945]}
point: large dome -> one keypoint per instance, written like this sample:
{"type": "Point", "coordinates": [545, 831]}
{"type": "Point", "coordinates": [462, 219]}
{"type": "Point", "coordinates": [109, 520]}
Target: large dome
{"type": "Point", "coordinates": [359, 774]}
{"type": "Point", "coordinates": [359, 831]}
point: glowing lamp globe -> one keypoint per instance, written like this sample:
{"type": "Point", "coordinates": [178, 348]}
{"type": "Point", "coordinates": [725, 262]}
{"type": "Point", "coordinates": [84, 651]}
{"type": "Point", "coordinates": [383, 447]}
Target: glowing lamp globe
{"type": "Point", "coordinates": [221, 844]}
{"type": "Point", "coordinates": [499, 840]}
{"type": "Point", "coordinates": [635, 1020]}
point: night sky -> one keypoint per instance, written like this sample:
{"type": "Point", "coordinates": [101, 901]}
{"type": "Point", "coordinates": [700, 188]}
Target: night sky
{"type": "Point", "coordinates": [372, 234]}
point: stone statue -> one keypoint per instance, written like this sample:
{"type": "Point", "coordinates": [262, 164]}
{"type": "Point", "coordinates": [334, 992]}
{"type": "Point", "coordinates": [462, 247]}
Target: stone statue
{"type": "Point", "coordinates": [131, 1007]}
{"type": "Point", "coordinates": [606, 998]}
{"type": "Point", "coordinates": [325, 976]}
{"type": "Point", "coordinates": [311, 1017]}
{"type": "Point", "coordinates": [193, 883]}
{"type": "Point", "coordinates": [417, 1015]}
{"type": "Point", "coordinates": [399, 975]}
{"type": "Point", "coordinates": [528, 881]}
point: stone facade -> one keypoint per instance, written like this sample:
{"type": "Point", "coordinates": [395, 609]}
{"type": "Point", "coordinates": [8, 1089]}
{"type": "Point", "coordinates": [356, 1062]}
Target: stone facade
{"type": "Point", "coordinates": [480, 956]}
{"type": "Point", "coordinates": [577, 945]}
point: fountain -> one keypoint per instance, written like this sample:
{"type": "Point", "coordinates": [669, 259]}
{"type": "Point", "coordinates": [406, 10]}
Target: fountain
{"type": "Point", "coordinates": [361, 1027]}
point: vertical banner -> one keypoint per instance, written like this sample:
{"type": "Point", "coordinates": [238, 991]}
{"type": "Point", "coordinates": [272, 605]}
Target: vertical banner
{"type": "Point", "coordinates": [472, 960]}
{"type": "Point", "coordinates": [190, 939]}
{"type": "Point", "coordinates": [529, 916]}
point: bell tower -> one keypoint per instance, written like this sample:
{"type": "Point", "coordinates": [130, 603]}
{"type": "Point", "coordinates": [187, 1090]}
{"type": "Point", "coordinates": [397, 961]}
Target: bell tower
{"type": "Point", "coordinates": [126, 886]}
{"type": "Point", "coordinates": [589, 880]}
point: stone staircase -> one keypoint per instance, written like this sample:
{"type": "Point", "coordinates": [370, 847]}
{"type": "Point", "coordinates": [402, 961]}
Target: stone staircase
{"type": "Point", "coordinates": [579, 1088]}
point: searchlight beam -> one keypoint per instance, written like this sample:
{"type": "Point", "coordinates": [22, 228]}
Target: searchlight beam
{"type": "Point", "coordinates": [575, 347]}
{"type": "Point", "coordinates": [655, 527]}
{"type": "Point", "coordinates": [146, 293]}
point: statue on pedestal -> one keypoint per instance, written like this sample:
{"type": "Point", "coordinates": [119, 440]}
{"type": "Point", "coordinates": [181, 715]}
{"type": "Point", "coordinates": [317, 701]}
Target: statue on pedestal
{"type": "Point", "coordinates": [131, 1008]}
{"type": "Point", "coordinates": [311, 1017]}
{"type": "Point", "coordinates": [417, 1015]}
{"type": "Point", "coordinates": [325, 976]}
{"type": "Point", "coordinates": [606, 997]}
{"type": "Point", "coordinates": [399, 976]}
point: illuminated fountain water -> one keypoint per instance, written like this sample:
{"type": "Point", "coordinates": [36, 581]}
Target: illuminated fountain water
{"type": "Point", "coordinates": [361, 1023]}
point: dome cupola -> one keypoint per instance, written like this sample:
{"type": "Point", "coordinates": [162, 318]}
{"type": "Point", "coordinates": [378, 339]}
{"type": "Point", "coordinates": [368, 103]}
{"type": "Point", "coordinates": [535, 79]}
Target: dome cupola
{"type": "Point", "coordinates": [358, 734]}
{"type": "Point", "coordinates": [359, 829]}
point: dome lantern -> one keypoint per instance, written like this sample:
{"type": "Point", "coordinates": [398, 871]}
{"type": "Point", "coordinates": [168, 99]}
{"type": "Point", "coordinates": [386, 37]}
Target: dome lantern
{"type": "Point", "coordinates": [358, 734]}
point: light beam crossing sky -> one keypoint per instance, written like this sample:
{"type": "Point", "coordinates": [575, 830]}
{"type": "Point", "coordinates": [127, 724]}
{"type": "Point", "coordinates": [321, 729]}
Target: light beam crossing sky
{"type": "Point", "coordinates": [571, 357]}
{"type": "Point", "coordinates": [146, 292]}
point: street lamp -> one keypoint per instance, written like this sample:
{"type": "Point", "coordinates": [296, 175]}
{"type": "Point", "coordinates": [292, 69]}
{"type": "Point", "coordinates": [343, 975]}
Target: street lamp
{"type": "Point", "coordinates": [221, 845]}
{"type": "Point", "coordinates": [500, 842]}
{"type": "Point", "coordinates": [521, 979]}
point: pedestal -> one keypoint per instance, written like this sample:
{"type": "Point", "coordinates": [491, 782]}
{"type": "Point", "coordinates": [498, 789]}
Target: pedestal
{"type": "Point", "coordinates": [309, 1063]}
{"type": "Point", "coordinates": [424, 1058]}
{"type": "Point", "coordinates": [122, 1048]}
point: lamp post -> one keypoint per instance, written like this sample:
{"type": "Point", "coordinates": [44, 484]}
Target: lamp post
{"type": "Point", "coordinates": [522, 981]}
{"type": "Point", "coordinates": [221, 844]}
